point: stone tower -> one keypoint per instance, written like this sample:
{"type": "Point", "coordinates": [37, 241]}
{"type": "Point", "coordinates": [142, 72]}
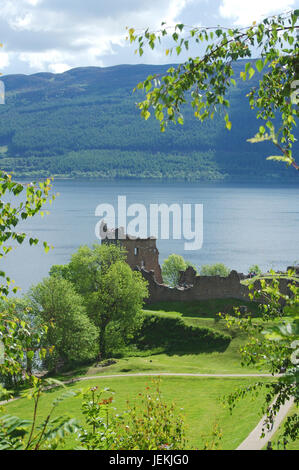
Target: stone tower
{"type": "Point", "coordinates": [141, 252]}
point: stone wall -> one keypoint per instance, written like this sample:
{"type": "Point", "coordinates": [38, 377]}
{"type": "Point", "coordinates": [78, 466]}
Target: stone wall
{"type": "Point", "coordinates": [204, 287]}
{"type": "Point", "coordinates": [143, 255]}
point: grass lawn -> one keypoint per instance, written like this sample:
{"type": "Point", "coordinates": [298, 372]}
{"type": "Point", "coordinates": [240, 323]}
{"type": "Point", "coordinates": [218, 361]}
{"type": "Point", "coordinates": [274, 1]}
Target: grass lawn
{"type": "Point", "coordinates": [198, 399]}
{"type": "Point", "coordinates": [269, 276]}
{"type": "Point", "coordinates": [200, 313]}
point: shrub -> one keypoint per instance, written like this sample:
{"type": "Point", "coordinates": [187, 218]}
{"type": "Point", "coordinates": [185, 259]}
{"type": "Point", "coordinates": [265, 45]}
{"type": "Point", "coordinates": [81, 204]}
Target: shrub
{"type": "Point", "coordinates": [218, 269]}
{"type": "Point", "coordinates": [171, 269]}
{"type": "Point", "coordinates": [174, 334]}
{"type": "Point", "coordinates": [152, 424]}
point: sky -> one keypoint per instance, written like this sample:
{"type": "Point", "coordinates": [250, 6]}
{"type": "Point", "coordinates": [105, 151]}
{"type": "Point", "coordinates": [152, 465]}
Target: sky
{"type": "Point", "coordinates": [57, 35]}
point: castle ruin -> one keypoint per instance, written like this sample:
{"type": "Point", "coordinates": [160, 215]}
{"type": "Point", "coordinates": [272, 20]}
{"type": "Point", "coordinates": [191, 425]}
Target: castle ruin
{"type": "Point", "coordinates": [142, 253]}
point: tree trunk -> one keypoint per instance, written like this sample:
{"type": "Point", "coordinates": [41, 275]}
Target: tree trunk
{"type": "Point", "coordinates": [102, 342]}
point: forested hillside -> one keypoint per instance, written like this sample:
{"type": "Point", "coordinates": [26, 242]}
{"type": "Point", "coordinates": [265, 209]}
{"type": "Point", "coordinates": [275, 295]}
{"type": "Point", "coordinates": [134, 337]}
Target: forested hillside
{"type": "Point", "coordinates": [84, 122]}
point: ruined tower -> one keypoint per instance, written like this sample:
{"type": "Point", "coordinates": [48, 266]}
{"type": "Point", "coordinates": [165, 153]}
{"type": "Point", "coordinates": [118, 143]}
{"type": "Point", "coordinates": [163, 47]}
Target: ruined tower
{"type": "Point", "coordinates": [141, 252]}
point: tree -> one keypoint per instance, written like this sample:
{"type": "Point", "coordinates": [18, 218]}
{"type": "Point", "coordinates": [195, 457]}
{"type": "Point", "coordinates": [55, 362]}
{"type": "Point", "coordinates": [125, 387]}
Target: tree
{"type": "Point", "coordinates": [171, 269]}
{"type": "Point", "coordinates": [17, 208]}
{"type": "Point", "coordinates": [112, 292]}
{"type": "Point", "coordinates": [209, 77]}
{"type": "Point", "coordinates": [120, 299]}
{"type": "Point", "coordinates": [255, 269]}
{"type": "Point", "coordinates": [31, 332]}
{"type": "Point", "coordinates": [218, 269]}
{"type": "Point", "coordinates": [22, 337]}
{"type": "Point", "coordinates": [18, 202]}
{"type": "Point", "coordinates": [273, 345]}
{"type": "Point", "coordinates": [70, 332]}
{"type": "Point", "coordinates": [87, 266]}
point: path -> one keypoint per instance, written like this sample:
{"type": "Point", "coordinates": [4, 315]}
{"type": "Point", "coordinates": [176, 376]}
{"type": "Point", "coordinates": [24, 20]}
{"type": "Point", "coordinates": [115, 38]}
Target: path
{"type": "Point", "coordinates": [253, 441]}
{"type": "Point", "coordinates": [143, 374]}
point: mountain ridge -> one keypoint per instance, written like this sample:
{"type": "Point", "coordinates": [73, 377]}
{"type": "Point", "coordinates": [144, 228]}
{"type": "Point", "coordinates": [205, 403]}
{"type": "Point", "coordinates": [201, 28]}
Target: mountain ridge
{"type": "Point", "coordinates": [84, 123]}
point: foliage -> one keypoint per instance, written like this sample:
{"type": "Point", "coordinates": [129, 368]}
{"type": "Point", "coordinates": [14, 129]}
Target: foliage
{"type": "Point", "coordinates": [28, 335]}
{"type": "Point", "coordinates": [70, 332]}
{"type": "Point", "coordinates": [254, 269]}
{"type": "Point", "coordinates": [210, 77]}
{"type": "Point", "coordinates": [212, 441]}
{"type": "Point", "coordinates": [120, 299]}
{"type": "Point", "coordinates": [23, 341]}
{"type": "Point", "coordinates": [87, 265]}
{"type": "Point", "coordinates": [97, 433]}
{"type": "Point", "coordinates": [14, 210]}
{"type": "Point", "coordinates": [217, 269]}
{"type": "Point", "coordinates": [20, 339]}
{"type": "Point", "coordinates": [173, 334]}
{"type": "Point", "coordinates": [151, 425]}
{"type": "Point", "coordinates": [20, 434]}
{"type": "Point", "coordinates": [171, 268]}
{"type": "Point", "coordinates": [273, 344]}
{"type": "Point", "coordinates": [111, 291]}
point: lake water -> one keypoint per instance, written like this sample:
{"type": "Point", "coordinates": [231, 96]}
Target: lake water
{"type": "Point", "coordinates": [242, 225]}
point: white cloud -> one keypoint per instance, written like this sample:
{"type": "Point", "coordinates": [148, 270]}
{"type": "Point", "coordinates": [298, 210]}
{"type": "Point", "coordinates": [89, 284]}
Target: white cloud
{"type": "Point", "coordinates": [53, 35]}
{"type": "Point", "coordinates": [4, 60]}
{"type": "Point", "coordinates": [244, 13]}
{"type": "Point", "coordinates": [33, 2]}
{"type": "Point", "coordinates": [58, 68]}
{"type": "Point", "coordinates": [58, 34]}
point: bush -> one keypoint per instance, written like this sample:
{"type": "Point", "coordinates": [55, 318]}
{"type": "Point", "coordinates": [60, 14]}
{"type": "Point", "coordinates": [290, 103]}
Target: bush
{"type": "Point", "coordinates": [171, 269]}
{"type": "Point", "coordinates": [218, 269]}
{"type": "Point", "coordinates": [255, 269]}
{"type": "Point", "coordinates": [174, 334]}
{"type": "Point", "coordinates": [152, 424]}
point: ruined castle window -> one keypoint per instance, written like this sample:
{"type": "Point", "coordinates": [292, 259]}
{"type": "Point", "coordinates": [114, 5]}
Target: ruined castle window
{"type": "Point", "coordinates": [136, 250]}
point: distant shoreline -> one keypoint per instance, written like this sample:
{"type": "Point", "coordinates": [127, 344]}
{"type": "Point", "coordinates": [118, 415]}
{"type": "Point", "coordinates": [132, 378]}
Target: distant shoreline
{"type": "Point", "coordinates": [226, 180]}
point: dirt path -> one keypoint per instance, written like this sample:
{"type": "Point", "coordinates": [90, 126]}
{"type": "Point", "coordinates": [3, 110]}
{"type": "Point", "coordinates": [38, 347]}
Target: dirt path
{"type": "Point", "coordinates": [164, 374]}
{"type": "Point", "coordinates": [253, 441]}
{"type": "Point", "coordinates": [143, 374]}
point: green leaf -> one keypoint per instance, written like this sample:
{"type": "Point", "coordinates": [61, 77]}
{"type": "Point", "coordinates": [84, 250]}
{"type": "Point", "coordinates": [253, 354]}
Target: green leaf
{"type": "Point", "coordinates": [259, 65]}
{"type": "Point", "coordinates": [251, 72]}
{"type": "Point", "coordinates": [262, 130]}
{"type": "Point", "coordinates": [280, 158]}
{"type": "Point", "coordinates": [229, 125]}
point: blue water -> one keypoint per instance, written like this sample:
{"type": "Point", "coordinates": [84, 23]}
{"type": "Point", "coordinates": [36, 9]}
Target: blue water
{"type": "Point", "coordinates": [242, 225]}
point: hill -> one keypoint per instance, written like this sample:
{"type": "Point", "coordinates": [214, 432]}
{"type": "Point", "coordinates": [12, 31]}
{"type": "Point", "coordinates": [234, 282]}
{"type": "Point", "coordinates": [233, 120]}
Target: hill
{"type": "Point", "coordinates": [84, 123]}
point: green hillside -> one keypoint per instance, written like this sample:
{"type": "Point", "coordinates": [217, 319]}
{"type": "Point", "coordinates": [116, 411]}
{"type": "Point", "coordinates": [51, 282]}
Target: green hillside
{"type": "Point", "coordinates": [84, 123]}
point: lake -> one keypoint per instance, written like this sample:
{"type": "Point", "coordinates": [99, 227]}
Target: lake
{"type": "Point", "coordinates": [242, 224]}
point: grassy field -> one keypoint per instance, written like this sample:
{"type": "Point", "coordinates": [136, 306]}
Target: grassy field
{"type": "Point", "coordinates": [203, 308]}
{"type": "Point", "coordinates": [218, 360]}
{"type": "Point", "coordinates": [199, 400]}
{"type": "Point", "coordinates": [269, 276]}
{"type": "Point", "coordinates": [198, 397]}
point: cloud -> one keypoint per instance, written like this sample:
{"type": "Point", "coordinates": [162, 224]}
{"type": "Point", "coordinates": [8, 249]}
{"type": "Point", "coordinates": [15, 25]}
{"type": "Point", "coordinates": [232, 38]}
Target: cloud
{"type": "Point", "coordinates": [4, 60]}
{"type": "Point", "coordinates": [58, 68]}
{"type": "Point", "coordinates": [244, 13]}
{"type": "Point", "coordinates": [51, 35]}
